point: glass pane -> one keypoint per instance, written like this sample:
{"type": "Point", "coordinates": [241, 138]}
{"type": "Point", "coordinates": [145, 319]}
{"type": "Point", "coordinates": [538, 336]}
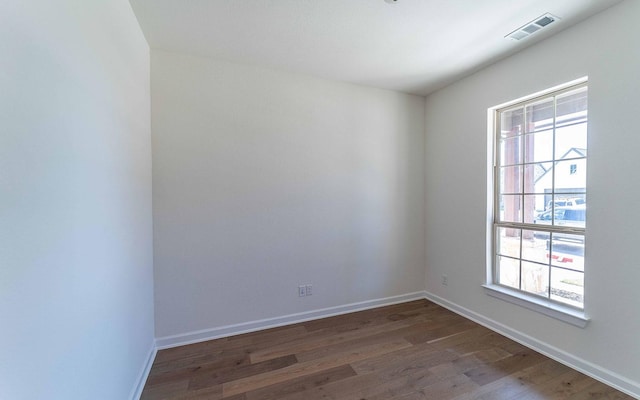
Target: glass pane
{"type": "Point", "coordinates": [571, 141]}
{"type": "Point", "coordinates": [539, 116]}
{"type": "Point", "coordinates": [509, 272]}
{"type": "Point", "coordinates": [570, 176]}
{"type": "Point", "coordinates": [510, 179]}
{"type": "Point", "coordinates": [535, 278]}
{"type": "Point", "coordinates": [544, 218]}
{"type": "Point", "coordinates": [511, 122]}
{"type": "Point", "coordinates": [510, 208]}
{"type": "Point", "coordinates": [573, 216]}
{"type": "Point", "coordinates": [535, 246]}
{"type": "Point", "coordinates": [509, 242]}
{"type": "Point", "coordinates": [533, 207]}
{"type": "Point", "coordinates": [538, 146]}
{"type": "Point", "coordinates": [567, 286]}
{"type": "Point", "coordinates": [565, 200]}
{"type": "Point", "coordinates": [538, 178]}
{"type": "Point", "coordinates": [567, 251]}
{"type": "Point", "coordinates": [510, 150]}
{"type": "Point", "coordinates": [571, 107]}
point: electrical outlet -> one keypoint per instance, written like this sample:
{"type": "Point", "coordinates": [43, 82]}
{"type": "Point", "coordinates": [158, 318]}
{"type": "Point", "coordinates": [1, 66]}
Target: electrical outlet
{"type": "Point", "coordinates": [302, 291]}
{"type": "Point", "coordinates": [445, 280]}
{"type": "Point", "coordinates": [308, 290]}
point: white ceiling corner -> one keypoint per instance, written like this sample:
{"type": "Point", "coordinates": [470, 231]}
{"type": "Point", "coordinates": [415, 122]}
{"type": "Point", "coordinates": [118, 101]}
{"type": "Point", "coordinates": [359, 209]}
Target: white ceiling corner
{"type": "Point", "coordinates": [413, 46]}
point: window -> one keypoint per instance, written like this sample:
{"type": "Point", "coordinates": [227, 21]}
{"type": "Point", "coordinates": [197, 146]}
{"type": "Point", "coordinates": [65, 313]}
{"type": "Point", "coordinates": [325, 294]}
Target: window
{"type": "Point", "coordinates": [540, 192]}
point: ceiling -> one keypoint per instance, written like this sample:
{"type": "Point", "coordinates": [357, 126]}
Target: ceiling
{"type": "Point", "coordinates": [413, 46]}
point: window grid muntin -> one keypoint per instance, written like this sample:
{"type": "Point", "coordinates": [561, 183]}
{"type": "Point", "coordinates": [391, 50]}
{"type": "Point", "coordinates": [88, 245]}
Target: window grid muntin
{"type": "Point", "coordinates": [498, 137]}
{"type": "Point", "coordinates": [549, 264]}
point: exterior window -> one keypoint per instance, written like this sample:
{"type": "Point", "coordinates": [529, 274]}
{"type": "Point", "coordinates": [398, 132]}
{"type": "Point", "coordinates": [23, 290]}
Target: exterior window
{"type": "Point", "coordinates": [540, 193]}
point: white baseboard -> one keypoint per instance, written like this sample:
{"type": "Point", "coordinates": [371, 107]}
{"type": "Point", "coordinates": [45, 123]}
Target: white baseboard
{"type": "Point", "coordinates": [251, 326]}
{"type": "Point", "coordinates": [144, 374]}
{"type": "Point", "coordinates": [602, 374]}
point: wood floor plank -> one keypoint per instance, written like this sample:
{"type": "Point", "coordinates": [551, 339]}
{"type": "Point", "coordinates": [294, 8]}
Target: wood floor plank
{"type": "Point", "coordinates": [298, 385]}
{"type": "Point", "coordinates": [220, 357]}
{"type": "Point", "coordinates": [559, 388]}
{"type": "Point", "coordinates": [239, 373]}
{"type": "Point", "coordinates": [382, 388]}
{"type": "Point", "coordinates": [309, 367]}
{"type": "Point", "coordinates": [196, 367]}
{"type": "Point", "coordinates": [504, 367]}
{"type": "Point", "coordinates": [342, 389]}
{"type": "Point", "coordinates": [339, 347]}
{"type": "Point", "coordinates": [165, 391]}
{"type": "Point", "coordinates": [522, 380]}
{"type": "Point", "coordinates": [411, 358]}
{"type": "Point", "coordinates": [441, 331]}
{"type": "Point", "coordinates": [597, 390]}
{"type": "Point", "coordinates": [324, 339]}
{"type": "Point", "coordinates": [441, 390]}
{"type": "Point", "coordinates": [371, 386]}
{"type": "Point", "coordinates": [411, 351]}
{"type": "Point", "coordinates": [209, 393]}
{"type": "Point", "coordinates": [242, 342]}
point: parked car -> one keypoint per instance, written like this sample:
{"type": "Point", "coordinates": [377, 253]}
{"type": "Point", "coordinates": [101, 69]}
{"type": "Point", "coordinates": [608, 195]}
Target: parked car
{"type": "Point", "coordinates": [573, 216]}
{"type": "Point", "coordinates": [565, 203]}
{"type": "Point", "coordinates": [564, 216]}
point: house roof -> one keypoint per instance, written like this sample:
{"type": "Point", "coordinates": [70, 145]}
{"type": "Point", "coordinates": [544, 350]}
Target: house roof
{"type": "Point", "coordinates": [580, 153]}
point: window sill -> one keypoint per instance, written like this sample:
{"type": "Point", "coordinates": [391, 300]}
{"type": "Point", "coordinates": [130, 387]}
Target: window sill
{"type": "Point", "coordinates": [549, 308]}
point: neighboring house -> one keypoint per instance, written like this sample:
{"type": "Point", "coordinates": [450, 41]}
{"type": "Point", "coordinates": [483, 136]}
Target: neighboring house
{"type": "Point", "coordinates": [570, 177]}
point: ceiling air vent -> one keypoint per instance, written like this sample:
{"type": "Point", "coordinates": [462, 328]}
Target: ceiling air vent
{"type": "Point", "coordinates": [533, 26]}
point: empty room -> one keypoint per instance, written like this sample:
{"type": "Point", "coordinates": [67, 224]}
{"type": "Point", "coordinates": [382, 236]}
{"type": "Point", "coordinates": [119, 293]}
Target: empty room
{"type": "Point", "coordinates": [319, 199]}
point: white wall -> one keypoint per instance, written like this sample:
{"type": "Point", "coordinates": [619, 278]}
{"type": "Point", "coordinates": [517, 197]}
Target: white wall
{"type": "Point", "coordinates": [607, 49]}
{"type": "Point", "coordinates": [76, 292]}
{"type": "Point", "coordinates": [265, 180]}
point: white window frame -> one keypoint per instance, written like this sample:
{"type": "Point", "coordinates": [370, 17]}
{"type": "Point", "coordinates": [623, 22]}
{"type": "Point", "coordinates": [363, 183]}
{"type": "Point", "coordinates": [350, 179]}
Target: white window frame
{"type": "Point", "coordinates": [547, 306]}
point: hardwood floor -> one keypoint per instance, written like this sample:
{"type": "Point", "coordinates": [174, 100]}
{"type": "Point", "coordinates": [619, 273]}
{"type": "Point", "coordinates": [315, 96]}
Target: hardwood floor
{"type": "Point", "coordinates": [409, 351]}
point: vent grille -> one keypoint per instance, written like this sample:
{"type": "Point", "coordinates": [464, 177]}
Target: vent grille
{"type": "Point", "coordinates": [532, 27]}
